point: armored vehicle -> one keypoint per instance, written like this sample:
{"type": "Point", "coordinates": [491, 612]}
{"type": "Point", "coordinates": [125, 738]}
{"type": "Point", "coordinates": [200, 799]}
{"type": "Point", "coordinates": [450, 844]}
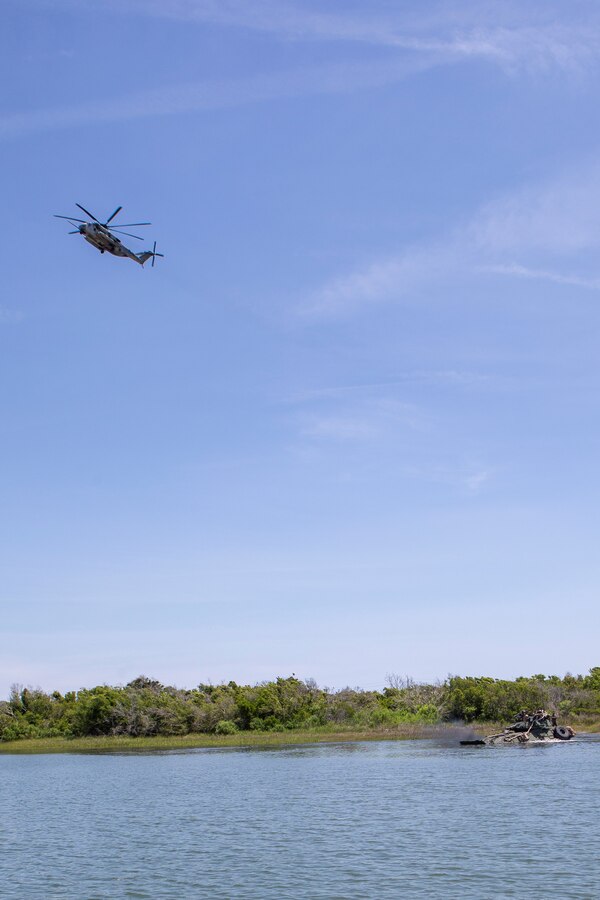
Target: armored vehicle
{"type": "Point", "coordinates": [537, 727]}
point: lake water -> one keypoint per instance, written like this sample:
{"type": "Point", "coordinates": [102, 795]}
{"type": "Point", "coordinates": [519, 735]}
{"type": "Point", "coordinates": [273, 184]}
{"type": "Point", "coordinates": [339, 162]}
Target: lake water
{"type": "Point", "coordinates": [361, 820]}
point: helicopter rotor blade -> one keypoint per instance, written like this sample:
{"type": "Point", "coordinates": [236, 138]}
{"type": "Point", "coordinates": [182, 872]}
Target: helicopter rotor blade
{"type": "Point", "coordinates": [70, 219]}
{"type": "Point", "coordinates": [136, 236]}
{"type": "Point", "coordinates": [130, 224]}
{"type": "Point", "coordinates": [88, 213]}
{"type": "Point", "coordinates": [118, 209]}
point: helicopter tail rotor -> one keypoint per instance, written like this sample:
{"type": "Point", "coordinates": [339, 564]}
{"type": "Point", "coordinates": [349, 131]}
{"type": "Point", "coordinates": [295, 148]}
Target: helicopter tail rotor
{"type": "Point", "coordinates": [149, 254]}
{"type": "Point", "coordinates": [155, 254]}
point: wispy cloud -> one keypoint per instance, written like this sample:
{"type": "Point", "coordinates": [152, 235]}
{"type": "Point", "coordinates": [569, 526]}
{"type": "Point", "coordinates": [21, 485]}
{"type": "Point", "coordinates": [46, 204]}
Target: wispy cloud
{"type": "Point", "coordinates": [391, 278]}
{"type": "Point", "coordinates": [528, 234]}
{"type": "Point", "coordinates": [500, 34]}
{"type": "Point", "coordinates": [468, 477]}
{"type": "Point", "coordinates": [545, 275]}
{"type": "Point", "coordinates": [475, 480]}
{"type": "Point", "coordinates": [376, 428]}
{"type": "Point", "coordinates": [326, 417]}
{"type": "Point", "coordinates": [185, 98]}
{"type": "Point", "coordinates": [336, 428]}
{"type": "Point", "coordinates": [434, 377]}
{"type": "Point", "coordinates": [510, 34]}
{"type": "Point", "coordinates": [560, 215]}
{"type": "Point", "coordinates": [10, 316]}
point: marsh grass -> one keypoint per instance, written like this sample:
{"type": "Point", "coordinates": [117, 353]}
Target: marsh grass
{"type": "Point", "coordinates": [126, 744]}
{"type": "Point", "coordinates": [272, 739]}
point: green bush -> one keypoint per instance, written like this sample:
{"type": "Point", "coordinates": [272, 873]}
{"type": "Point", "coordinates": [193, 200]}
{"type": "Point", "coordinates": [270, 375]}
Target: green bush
{"type": "Point", "coordinates": [226, 726]}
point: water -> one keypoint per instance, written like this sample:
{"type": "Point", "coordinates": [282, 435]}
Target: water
{"type": "Point", "coordinates": [363, 820]}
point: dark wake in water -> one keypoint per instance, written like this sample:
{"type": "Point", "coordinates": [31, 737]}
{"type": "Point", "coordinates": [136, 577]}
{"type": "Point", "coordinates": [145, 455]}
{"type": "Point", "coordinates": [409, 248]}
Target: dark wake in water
{"type": "Point", "coordinates": [452, 735]}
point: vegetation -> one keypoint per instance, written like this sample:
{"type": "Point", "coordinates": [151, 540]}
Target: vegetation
{"type": "Point", "coordinates": [262, 739]}
{"type": "Point", "coordinates": [232, 714]}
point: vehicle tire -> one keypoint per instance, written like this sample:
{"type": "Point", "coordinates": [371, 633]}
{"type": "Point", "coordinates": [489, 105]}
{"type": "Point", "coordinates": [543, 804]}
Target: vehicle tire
{"type": "Point", "coordinates": [562, 733]}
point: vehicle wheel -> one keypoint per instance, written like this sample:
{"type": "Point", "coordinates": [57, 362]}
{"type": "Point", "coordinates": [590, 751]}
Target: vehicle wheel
{"type": "Point", "coordinates": [562, 733]}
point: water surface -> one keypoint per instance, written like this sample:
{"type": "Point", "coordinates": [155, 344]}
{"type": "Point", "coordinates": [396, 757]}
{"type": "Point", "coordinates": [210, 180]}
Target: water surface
{"type": "Point", "coordinates": [358, 820]}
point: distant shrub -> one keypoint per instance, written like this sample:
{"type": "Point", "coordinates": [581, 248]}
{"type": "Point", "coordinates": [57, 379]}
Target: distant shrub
{"type": "Point", "coordinates": [271, 723]}
{"type": "Point", "coordinates": [15, 731]}
{"type": "Point", "coordinates": [380, 717]}
{"type": "Point", "coordinates": [428, 713]}
{"type": "Point", "coordinates": [226, 726]}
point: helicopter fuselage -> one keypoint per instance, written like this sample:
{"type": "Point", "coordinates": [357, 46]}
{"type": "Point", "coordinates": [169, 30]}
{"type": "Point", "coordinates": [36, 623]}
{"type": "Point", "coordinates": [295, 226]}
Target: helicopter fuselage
{"type": "Point", "coordinates": [104, 241]}
{"type": "Point", "coordinates": [100, 235]}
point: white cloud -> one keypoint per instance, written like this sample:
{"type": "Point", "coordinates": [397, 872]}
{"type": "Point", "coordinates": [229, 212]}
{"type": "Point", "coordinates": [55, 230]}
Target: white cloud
{"type": "Point", "coordinates": [559, 216]}
{"type": "Point", "coordinates": [185, 98]}
{"type": "Point", "coordinates": [544, 275]}
{"type": "Point", "coordinates": [512, 35]}
{"type": "Point", "coordinates": [410, 436]}
{"type": "Point", "coordinates": [527, 234]}
{"type": "Point", "coordinates": [441, 377]}
{"type": "Point", "coordinates": [378, 428]}
{"type": "Point", "coordinates": [500, 34]}
{"type": "Point", "coordinates": [391, 278]}
{"type": "Point", "coordinates": [327, 417]}
{"type": "Point", "coordinates": [465, 477]}
{"type": "Point", "coordinates": [10, 316]}
{"type": "Point", "coordinates": [336, 428]}
{"type": "Point", "coordinates": [475, 480]}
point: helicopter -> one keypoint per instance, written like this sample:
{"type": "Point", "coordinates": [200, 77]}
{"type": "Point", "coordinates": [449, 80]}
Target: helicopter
{"type": "Point", "coordinates": [100, 235]}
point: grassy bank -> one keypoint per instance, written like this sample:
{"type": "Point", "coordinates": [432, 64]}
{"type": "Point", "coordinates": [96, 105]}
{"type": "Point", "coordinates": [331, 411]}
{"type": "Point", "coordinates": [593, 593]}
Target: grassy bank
{"type": "Point", "coordinates": [123, 743]}
{"type": "Point", "coordinates": [145, 714]}
{"type": "Point", "coordinates": [274, 739]}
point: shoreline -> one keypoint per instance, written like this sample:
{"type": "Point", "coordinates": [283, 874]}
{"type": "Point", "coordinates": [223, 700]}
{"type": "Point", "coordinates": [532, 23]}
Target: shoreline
{"type": "Point", "coordinates": [253, 739]}
{"type": "Point", "coordinates": [244, 739]}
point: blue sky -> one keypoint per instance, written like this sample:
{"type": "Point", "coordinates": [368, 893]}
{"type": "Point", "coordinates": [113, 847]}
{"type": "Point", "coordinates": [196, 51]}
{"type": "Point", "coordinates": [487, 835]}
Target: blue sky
{"type": "Point", "coordinates": [349, 426]}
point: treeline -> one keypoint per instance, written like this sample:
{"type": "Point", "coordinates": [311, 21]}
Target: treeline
{"type": "Point", "coordinates": [147, 707]}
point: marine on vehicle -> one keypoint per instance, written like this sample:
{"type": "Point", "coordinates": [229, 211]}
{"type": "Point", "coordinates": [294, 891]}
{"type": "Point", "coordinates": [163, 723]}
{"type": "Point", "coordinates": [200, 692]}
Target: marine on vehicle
{"type": "Point", "coordinates": [536, 727]}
